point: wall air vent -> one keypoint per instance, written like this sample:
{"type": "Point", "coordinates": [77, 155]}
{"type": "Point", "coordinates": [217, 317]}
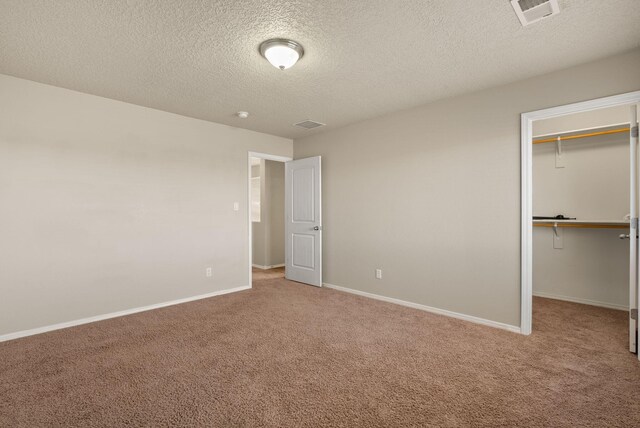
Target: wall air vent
{"type": "Point", "coordinates": [530, 11]}
{"type": "Point", "coordinates": [309, 124]}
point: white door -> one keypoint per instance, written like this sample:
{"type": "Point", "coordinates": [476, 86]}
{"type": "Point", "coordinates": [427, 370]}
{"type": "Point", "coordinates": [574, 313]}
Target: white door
{"type": "Point", "coordinates": [634, 295]}
{"type": "Point", "coordinates": [303, 221]}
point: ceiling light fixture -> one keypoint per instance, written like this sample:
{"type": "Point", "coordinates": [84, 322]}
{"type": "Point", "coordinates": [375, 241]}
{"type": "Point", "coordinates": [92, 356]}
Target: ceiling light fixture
{"type": "Point", "coordinates": [281, 53]}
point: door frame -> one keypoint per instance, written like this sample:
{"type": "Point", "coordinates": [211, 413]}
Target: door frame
{"type": "Point", "coordinates": [265, 156]}
{"type": "Point", "coordinates": [526, 139]}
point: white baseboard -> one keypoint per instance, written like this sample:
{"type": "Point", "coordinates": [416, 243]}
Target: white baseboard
{"type": "Point", "coordinates": [476, 320]}
{"type": "Point", "coordinates": [583, 301]}
{"type": "Point", "coordinates": [74, 323]}
{"type": "Point", "coordinates": [268, 267]}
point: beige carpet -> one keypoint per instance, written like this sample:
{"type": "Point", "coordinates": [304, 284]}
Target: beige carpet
{"type": "Point", "coordinates": [285, 354]}
{"type": "Point", "coordinates": [260, 274]}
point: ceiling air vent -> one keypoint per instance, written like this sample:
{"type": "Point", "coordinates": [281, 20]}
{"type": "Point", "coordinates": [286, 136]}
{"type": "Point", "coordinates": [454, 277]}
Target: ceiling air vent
{"type": "Point", "coordinates": [530, 11]}
{"type": "Point", "coordinates": [309, 124]}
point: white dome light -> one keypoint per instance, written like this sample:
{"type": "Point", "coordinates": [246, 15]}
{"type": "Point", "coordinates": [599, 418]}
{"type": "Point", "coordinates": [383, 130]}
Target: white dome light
{"type": "Point", "coordinates": [281, 53]}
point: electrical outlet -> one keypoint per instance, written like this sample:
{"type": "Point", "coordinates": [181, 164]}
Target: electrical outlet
{"type": "Point", "coordinates": [209, 272]}
{"type": "Point", "coordinates": [236, 206]}
{"type": "Point", "coordinates": [378, 273]}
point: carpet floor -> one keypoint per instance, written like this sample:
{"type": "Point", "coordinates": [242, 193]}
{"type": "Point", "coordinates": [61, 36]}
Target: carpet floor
{"type": "Point", "coordinates": [260, 274]}
{"type": "Point", "coordinates": [284, 354]}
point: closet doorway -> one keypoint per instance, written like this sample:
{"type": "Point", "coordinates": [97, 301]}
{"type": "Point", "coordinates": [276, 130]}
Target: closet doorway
{"type": "Point", "coordinates": [579, 217]}
{"type": "Point", "coordinates": [266, 216]}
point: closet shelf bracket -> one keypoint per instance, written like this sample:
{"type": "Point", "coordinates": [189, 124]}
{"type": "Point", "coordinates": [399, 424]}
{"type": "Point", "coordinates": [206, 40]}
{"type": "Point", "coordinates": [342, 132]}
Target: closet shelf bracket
{"type": "Point", "coordinates": [559, 157]}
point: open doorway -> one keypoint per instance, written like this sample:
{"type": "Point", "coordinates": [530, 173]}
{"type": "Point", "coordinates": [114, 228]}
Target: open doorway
{"type": "Point", "coordinates": [580, 220]}
{"type": "Point", "coordinates": [293, 216]}
{"type": "Point", "coordinates": [266, 215]}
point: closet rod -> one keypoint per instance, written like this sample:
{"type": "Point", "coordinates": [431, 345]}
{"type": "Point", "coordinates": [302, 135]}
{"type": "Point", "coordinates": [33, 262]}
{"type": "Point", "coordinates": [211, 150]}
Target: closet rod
{"type": "Point", "coordinates": [583, 226]}
{"type": "Point", "coordinates": [590, 134]}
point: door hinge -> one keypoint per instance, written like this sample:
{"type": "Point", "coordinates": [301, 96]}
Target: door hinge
{"type": "Point", "coordinates": [634, 132]}
{"type": "Point", "coordinates": [633, 314]}
{"type": "Point", "coordinates": [633, 223]}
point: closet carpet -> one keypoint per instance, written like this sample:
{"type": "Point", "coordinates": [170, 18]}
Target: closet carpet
{"type": "Point", "coordinates": [290, 355]}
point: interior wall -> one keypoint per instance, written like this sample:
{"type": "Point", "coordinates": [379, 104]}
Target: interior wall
{"type": "Point", "coordinates": [107, 206]}
{"type": "Point", "coordinates": [259, 229]}
{"type": "Point", "coordinates": [593, 264]}
{"type": "Point", "coordinates": [593, 185]}
{"type": "Point", "coordinates": [431, 195]}
{"type": "Point", "coordinates": [592, 267]}
{"type": "Point", "coordinates": [275, 192]}
{"type": "Point", "coordinates": [268, 234]}
{"type": "Point", "coordinates": [589, 119]}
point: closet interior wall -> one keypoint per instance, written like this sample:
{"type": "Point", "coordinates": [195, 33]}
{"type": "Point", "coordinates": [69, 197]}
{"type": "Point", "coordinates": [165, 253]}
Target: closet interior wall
{"type": "Point", "coordinates": [268, 234]}
{"type": "Point", "coordinates": [593, 264]}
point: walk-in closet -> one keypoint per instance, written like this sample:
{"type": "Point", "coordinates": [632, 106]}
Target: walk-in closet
{"type": "Point", "coordinates": [582, 187]}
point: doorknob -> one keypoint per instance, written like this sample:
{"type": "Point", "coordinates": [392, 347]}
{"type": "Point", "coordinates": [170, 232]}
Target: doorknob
{"type": "Point", "coordinates": [623, 236]}
{"type": "Point", "coordinates": [316, 228]}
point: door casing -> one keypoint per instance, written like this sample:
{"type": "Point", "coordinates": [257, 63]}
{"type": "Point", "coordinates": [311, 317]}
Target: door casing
{"type": "Point", "coordinates": [526, 139]}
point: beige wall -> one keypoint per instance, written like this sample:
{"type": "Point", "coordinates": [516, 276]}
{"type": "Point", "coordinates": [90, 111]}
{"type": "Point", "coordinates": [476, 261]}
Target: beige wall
{"type": "Point", "coordinates": [107, 206]}
{"type": "Point", "coordinates": [259, 230]}
{"type": "Point", "coordinates": [593, 185]}
{"type": "Point", "coordinates": [593, 265]}
{"type": "Point", "coordinates": [275, 193]}
{"type": "Point", "coordinates": [268, 234]}
{"type": "Point", "coordinates": [431, 195]}
{"type": "Point", "coordinates": [579, 121]}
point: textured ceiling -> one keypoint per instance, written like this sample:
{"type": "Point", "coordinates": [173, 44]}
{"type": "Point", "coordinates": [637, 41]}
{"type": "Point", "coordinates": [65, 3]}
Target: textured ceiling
{"type": "Point", "coordinates": [363, 58]}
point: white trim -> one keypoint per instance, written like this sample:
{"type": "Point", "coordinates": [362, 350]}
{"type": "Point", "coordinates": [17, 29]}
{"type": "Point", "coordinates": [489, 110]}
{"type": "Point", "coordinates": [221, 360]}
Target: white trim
{"type": "Point", "coordinates": [88, 320]}
{"type": "Point", "coordinates": [581, 301]}
{"type": "Point", "coordinates": [476, 320]}
{"type": "Point", "coordinates": [580, 107]}
{"type": "Point", "coordinates": [526, 137]}
{"type": "Point", "coordinates": [268, 267]}
{"type": "Point", "coordinates": [267, 156]}
{"type": "Point", "coordinates": [250, 223]}
{"type": "Point", "coordinates": [526, 254]}
{"type": "Point", "coordinates": [633, 240]}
